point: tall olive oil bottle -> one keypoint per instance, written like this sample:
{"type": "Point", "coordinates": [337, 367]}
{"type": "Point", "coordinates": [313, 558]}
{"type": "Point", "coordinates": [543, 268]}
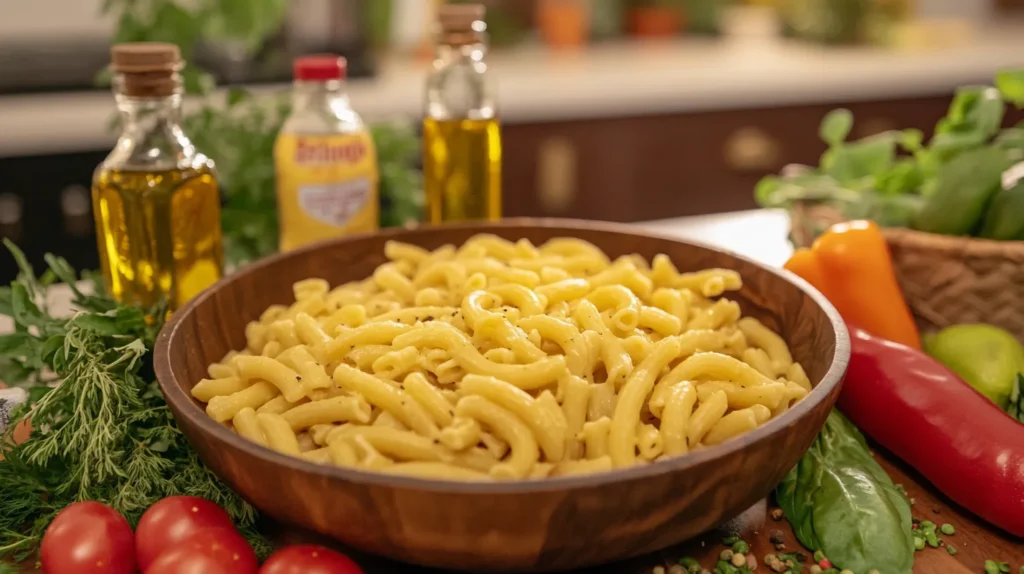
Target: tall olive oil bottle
{"type": "Point", "coordinates": [155, 197]}
{"type": "Point", "coordinates": [461, 133]}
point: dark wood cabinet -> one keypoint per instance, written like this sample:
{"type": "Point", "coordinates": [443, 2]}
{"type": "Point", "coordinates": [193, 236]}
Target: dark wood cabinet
{"type": "Point", "coordinates": [653, 167]}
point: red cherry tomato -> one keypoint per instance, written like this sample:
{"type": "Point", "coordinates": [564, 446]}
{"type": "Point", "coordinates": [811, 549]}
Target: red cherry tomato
{"type": "Point", "coordinates": [207, 551]}
{"type": "Point", "coordinates": [172, 520]}
{"type": "Point", "coordinates": [309, 559]}
{"type": "Point", "coordinates": [88, 538]}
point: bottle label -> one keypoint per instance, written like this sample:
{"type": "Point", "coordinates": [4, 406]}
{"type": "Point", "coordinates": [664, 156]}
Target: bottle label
{"type": "Point", "coordinates": [326, 186]}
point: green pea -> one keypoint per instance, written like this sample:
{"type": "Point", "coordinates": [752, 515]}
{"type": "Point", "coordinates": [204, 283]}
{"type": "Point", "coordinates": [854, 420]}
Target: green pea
{"type": "Point", "coordinates": [918, 543]}
{"type": "Point", "coordinates": [951, 549]}
{"type": "Point", "coordinates": [741, 547]}
{"type": "Point", "coordinates": [947, 529]}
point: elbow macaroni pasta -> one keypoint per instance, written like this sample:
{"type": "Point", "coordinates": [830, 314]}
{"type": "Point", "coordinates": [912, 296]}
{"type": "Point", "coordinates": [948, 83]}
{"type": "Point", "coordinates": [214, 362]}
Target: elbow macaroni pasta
{"type": "Point", "coordinates": [504, 360]}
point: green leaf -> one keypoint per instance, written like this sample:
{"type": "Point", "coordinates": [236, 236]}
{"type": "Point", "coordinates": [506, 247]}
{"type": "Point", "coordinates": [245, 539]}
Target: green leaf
{"type": "Point", "coordinates": [197, 81]}
{"type": "Point", "coordinates": [25, 311]}
{"type": "Point", "coordinates": [866, 158]}
{"type": "Point", "coordinates": [50, 347]}
{"type": "Point", "coordinates": [842, 503]}
{"type": "Point", "coordinates": [766, 189]}
{"type": "Point", "coordinates": [1011, 85]}
{"type": "Point", "coordinates": [99, 324]}
{"type": "Point", "coordinates": [836, 126]}
{"type": "Point", "coordinates": [6, 305]}
{"type": "Point", "coordinates": [15, 344]}
{"type": "Point", "coordinates": [975, 109]}
{"type": "Point", "coordinates": [236, 96]}
{"type": "Point", "coordinates": [912, 140]}
{"type": "Point", "coordinates": [904, 176]}
{"type": "Point", "coordinates": [1016, 404]}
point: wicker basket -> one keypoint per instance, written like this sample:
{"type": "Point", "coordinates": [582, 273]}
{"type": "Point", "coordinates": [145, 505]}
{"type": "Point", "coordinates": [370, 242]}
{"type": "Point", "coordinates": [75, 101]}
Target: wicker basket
{"type": "Point", "coordinates": [946, 280]}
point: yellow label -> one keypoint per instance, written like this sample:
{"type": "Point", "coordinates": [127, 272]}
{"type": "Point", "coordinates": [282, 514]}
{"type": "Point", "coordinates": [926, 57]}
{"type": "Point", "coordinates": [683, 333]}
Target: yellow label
{"type": "Point", "coordinates": [326, 186]}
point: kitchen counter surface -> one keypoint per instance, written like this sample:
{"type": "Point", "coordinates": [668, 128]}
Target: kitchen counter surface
{"type": "Point", "coordinates": [610, 80]}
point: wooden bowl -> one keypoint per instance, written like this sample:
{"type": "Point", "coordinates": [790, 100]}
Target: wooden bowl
{"type": "Point", "coordinates": [529, 526]}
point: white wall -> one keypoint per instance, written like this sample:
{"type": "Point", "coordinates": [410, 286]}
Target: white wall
{"type": "Point", "coordinates": [39, 19]}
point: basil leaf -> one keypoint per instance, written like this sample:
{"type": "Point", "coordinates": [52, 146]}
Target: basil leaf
{"type": "Point", "coordinates": [25, 311]}
{"type": "Point", "coordinates": [841, 502]}
{"type": "Point", "coordinates": [836, 126]}
{"type": "Point", "coordinates": [1011, 85]}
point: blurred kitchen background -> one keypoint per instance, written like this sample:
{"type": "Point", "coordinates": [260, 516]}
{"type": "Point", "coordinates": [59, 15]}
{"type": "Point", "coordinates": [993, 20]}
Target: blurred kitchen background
{"type": "Point", "coordinates": [620, 110]}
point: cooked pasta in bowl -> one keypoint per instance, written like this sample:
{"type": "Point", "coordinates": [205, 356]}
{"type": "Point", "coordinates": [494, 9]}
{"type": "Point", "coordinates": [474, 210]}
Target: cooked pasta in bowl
{"type": "Point", "coordinates": [504, 360]}
{"type": "Point", "coordinates": [471, 371]}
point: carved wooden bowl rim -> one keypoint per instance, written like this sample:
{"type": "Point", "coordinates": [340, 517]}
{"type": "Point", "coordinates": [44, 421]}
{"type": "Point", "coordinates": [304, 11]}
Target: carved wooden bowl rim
{"type": "Point", "coordinates": [183, 405]}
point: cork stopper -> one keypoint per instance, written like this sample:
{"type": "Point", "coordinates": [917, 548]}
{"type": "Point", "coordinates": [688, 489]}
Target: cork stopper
{"type": "Point", "coordinates": [461, 24]}
{"type": "Point", "coordinates": [147, 69]}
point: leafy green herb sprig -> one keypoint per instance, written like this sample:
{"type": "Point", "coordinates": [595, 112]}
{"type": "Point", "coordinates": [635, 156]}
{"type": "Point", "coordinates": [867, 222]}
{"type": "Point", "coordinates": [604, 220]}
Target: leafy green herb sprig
{"type": "Point", "coordinates": [101, 428]}
{"type": "Point", "coordinates": [842, 503]}
{"type": "Point", "coordinates": [888, 177]}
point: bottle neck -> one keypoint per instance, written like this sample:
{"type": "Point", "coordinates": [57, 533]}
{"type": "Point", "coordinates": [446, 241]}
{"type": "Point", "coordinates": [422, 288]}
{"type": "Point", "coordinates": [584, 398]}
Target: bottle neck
{"type": "Point", "coordinates": [151, 134]}
{"type": "Point", "coordinates": [307, 95]}
{"type": "Point", "coordinates": [148, 114]}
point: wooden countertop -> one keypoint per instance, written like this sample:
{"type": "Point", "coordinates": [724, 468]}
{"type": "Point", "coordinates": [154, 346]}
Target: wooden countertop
{"type": "Point", "coordinates": [761, 235]}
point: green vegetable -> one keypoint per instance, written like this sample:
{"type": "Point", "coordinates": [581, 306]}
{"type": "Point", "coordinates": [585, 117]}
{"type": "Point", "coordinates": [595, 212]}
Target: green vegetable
{"type": "Point", "coordinates": [898, 180]}
{"type": "Point", "coordinates": [842, 503]}
{"type": "Point", "coordinates": [986, 357]}
{"type": "Point", "coordinates": [993, 567]}
{"type": "Point", "coordinates": [103, 432]}
{"type": "Point", "coordinates": [1011, 84]}
{"type": "Point", "coordinates": [964, 187]}
{"type": "Point", "coordinates": [951, 550]}
{"type": "Point", "coordinates": [1016, 403]}
{"type": "Point", "coordinates": [1004, 219]}
{"type": "Point", "coordinates": [947, 529]}
{"type": "Point", "coordinates": [690, 564]}
{"type": "Point", "coordinates": [741, 547]}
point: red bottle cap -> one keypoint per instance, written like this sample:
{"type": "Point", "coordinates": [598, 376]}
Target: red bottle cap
{"type": "Point", "coordinates": [319, 68]}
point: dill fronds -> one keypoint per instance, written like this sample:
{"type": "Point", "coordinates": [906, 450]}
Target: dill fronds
{"type": "Point", "coordinates": [103, 432]}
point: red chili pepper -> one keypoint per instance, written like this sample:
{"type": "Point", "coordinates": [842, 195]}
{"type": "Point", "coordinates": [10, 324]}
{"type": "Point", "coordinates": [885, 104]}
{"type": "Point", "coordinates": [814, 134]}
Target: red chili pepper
{"type": "Point", "coordinates": [926, 415]}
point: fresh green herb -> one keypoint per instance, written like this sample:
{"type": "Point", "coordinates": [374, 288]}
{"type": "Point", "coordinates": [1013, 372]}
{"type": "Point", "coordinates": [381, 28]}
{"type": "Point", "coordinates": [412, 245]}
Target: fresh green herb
{"type": "Point", "coordinates": [792, 560]}
{"type": "Point", "coordinates": [187, 24]}
{"type": "Point", "coordinates": [101, 429]}
{"type": "Point", "coordinates": [690, 564]}
{"type": "Point", "coordinates": [994, 567]}
{"type": "Point", "coordinates": [730, 540]}
{"type": "Point", "coordinates": [842, 503]}
{"type": "Point", "coordinates": [1016, 404]}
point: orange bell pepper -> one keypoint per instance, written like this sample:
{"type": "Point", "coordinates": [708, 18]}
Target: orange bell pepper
{"type": "Point", "coordinates": [851, 265]}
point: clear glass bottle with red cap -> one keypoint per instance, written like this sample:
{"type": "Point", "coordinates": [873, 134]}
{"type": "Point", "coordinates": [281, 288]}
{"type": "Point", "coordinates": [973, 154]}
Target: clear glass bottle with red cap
{"type": "Point", "coordinates": [324, 160]}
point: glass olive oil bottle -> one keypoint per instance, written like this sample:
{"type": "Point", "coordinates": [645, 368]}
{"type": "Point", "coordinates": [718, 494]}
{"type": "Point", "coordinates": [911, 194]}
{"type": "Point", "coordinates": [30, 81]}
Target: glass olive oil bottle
{"type": "Point", "coordinates": [461, 132]}
{"type": "Point", "coordinates": [155, 197]}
